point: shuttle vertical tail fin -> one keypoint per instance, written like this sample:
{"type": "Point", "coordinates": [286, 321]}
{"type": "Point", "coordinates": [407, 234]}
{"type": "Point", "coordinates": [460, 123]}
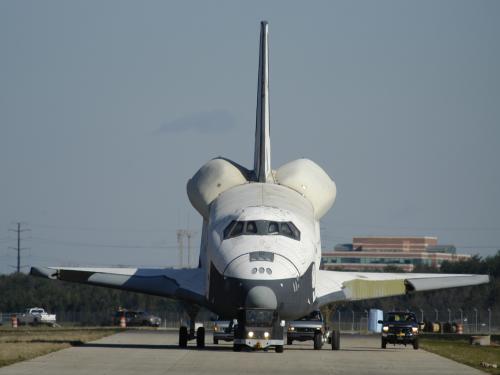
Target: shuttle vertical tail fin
{"type": "Point", "coordinates": [262, 157]}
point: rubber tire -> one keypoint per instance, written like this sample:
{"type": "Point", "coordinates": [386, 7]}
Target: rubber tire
{"type": "Point", "coordinates": [318, 341]}
{"type": "Point", "coordinates": [183, 337]}
{"type": "Point", "coordinates": [289, 341]}
{"type": "Point", "coordinates": [415, 344]}
{"type": "Point", "coordinates": [216, 341]}
{"type": "Point", "coordinates": [335, 340]}
{"type": "Point", "coordinates": [236, 348]}
{"type": "Point", "coordinates": [278, 348]}
{"type": "Point", "coordinates": [383, 344]}
{"type": "Point", "coordinates": [200, 337]}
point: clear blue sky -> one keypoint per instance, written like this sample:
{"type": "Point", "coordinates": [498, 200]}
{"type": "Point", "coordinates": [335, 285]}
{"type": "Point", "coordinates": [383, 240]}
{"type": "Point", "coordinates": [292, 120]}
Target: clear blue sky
{"type": "Point", "coordinates": [107, 108]}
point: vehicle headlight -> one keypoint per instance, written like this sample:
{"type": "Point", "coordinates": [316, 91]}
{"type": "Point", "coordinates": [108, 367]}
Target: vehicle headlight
{"type": "Point", "coordinates": [291, 328]}
{"type": "Point", "coordinates": [216, 328]}
{"type": "Point", "coordinates": [266, 335]}
{"type": "Point", "coordinates": [250, 334]}
{"type": "Point", "coordinates": [385, 329]}
{"type": "Point", "coordinates": [414, 329]}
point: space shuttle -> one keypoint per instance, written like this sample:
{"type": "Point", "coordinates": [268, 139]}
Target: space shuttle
{"type": "Point", "coordinates": [260, 242]}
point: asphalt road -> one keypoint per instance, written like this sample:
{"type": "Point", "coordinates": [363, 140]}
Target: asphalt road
{"type": "Point", "coordinates": [156, 352]}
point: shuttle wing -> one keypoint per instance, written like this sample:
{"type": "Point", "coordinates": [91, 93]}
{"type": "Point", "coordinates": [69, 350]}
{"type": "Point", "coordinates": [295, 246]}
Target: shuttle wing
{"type": "Point", "coordinates": [333, 286]}
{"type": "Point", "coordinates": [183, 284]}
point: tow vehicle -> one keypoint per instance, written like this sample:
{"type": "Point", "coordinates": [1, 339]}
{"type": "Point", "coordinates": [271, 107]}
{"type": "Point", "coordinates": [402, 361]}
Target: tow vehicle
{"type": "Point", "coordinates": [399, 327]}
{"type": "Point", "coordinates": [259, 328]}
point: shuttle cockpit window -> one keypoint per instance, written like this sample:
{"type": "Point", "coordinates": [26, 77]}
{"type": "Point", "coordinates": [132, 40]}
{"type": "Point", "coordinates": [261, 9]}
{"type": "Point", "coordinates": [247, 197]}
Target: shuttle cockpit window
{"type": "Point", "coordinates": [251, 228]}
{"type": "Point", "coordinates": [262, 228]}
{"type": "Point", "coordinates": [273, 228]}
{"type": "Point", "coordinates": [238, 229]}
{"type": "Point", "coordinates": [227, 231]}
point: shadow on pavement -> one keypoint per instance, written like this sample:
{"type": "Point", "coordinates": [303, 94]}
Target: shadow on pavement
{"type": "Point", "coordinates": [147, 346]}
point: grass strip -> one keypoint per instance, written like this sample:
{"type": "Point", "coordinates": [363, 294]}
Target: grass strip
{"type": "Point", "coordinates": [461, 351]}
{"type": "Point", "coordinates": [22, 344]}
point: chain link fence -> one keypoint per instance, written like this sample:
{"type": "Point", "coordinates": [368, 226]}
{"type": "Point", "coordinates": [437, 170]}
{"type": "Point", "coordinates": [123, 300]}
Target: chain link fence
{"type": "Point", "coordinates": [105, 318]}
{"type": "Point", "coordinates": [470, 321]}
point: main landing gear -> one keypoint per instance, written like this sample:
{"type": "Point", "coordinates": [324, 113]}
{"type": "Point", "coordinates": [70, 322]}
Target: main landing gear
{"type": "Point", "coordinates": [193, 332]}
{"type": "Point", "coordinates": [186, 335]}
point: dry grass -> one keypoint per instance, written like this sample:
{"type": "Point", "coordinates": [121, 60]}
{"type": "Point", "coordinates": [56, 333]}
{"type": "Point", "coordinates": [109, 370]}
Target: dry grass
{"type": "Point", "coordinates": [26, 343]}
{"type": "Point", "coordinates": [461, 351]}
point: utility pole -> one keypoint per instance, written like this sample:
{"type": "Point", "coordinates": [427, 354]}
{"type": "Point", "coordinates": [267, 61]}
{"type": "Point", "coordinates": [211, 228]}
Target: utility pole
{"type": "Point", "coordinates": [188, 235]}
{"type": "Point", "coordinates": [18, 248]}
{"type": "Point", "coordinates": [183, 234]}
{"type": "Point", "coordinates": [180, 243]}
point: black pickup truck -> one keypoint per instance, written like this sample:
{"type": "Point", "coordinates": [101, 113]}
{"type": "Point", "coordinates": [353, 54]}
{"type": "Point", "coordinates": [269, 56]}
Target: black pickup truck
{"type": "Point", "coordinates": [400, 327]}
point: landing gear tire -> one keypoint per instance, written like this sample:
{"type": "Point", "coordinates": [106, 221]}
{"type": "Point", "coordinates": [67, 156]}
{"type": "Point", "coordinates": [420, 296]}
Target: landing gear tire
{"type": "Point", "coordinates": [183, 337]}
{"type": "Point", "coordinates": [383, 344]}
{"type": "Point", "coordinates": [415, 344]}
{"type": "Point", "coordinates": [236, 348]}
{"type": "Point", "coordinates": [200, 338]}
{"type": "Point", "coordinates": [335, 340]}
{"type": "Point", "coordinates": [318, 341]}
{"type": "Point", "coordinates": [279, 348]}
{"type": "Point", "coordinates": [289, 341]}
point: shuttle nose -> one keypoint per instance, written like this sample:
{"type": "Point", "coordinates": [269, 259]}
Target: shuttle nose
{"type": "Point", "coordinates": [261, 265]}
{"type": "Point", "coordinates": [261, 296]}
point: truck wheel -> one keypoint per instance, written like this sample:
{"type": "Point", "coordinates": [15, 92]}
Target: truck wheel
{"type": "Point", "coordinates": [415, 344]}
{"type": "Point", "coordinates": [200, 337]}
{"type": "Point", "coordinates": [318, 341]}
{"type": "Point", "coordinates": [279, 349]}
{"type": "Point", "coordinates": [216, 341]}
{"type": "Point", "coordinates": [183, 337]}
{"type": "Point", "coordinates": [236, 348]}
{"type": "Point", "coordinates": [289, 341]}
{"type": "Point", "coordinates": [335, 340]}
{"type": "Point", "coordinates": [383, 344]}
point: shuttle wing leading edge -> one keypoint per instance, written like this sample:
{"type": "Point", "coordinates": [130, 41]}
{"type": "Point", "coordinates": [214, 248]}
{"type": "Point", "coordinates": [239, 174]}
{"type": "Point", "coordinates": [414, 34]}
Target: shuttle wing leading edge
{"type": "Point", "coordinates": [184, 284]}
{"type": "Point", "coordinates": [334, 286]}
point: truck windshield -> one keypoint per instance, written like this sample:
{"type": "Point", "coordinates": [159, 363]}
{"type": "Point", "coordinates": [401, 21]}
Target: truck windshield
{"type": "Point", "coordinates": [315, 315]}
{"type": "Point", "coordinates": [401, 317]}
{"type": "Point", "coordinates": [258, 318]}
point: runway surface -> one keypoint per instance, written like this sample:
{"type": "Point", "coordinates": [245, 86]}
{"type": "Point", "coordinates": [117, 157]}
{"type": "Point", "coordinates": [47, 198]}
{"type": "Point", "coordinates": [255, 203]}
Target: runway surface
{"type": "Point", "coordinates": [156, 352]}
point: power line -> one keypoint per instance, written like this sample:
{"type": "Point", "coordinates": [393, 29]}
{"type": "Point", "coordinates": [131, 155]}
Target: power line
{"type": "Point", "coordinates": [19, 248]}
{"type": "Point", "coordinates": [86, 244]}
{"type": "Point", "coordinates": [100, 229]}
{"type": "Point", "coordinates": [421, 228]}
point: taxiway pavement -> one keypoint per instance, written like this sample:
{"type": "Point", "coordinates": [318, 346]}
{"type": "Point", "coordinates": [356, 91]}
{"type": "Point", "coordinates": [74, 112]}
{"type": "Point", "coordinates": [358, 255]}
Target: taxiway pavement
{"type": "Point", "coordinates": [155, 352]}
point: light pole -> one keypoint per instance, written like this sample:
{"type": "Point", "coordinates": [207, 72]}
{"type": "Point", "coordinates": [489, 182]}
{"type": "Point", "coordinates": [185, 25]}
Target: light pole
{"type": "Point", "coordinates": [449, 315]}
{"type": "Point", "coordinates": [366, 312]}
{"type": "Point", "coordinates": [352, 326]}
{"type": "Point", "coordinates": [461, 316]}
{"type": "Point", "coordinates": [437, 314]}
{"type": "Point", "coordinates": [475, 311]}
{"type": "Point", "coordinates": [489, 320]}
{"type": "Point", "coordinates": [421, 315]}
